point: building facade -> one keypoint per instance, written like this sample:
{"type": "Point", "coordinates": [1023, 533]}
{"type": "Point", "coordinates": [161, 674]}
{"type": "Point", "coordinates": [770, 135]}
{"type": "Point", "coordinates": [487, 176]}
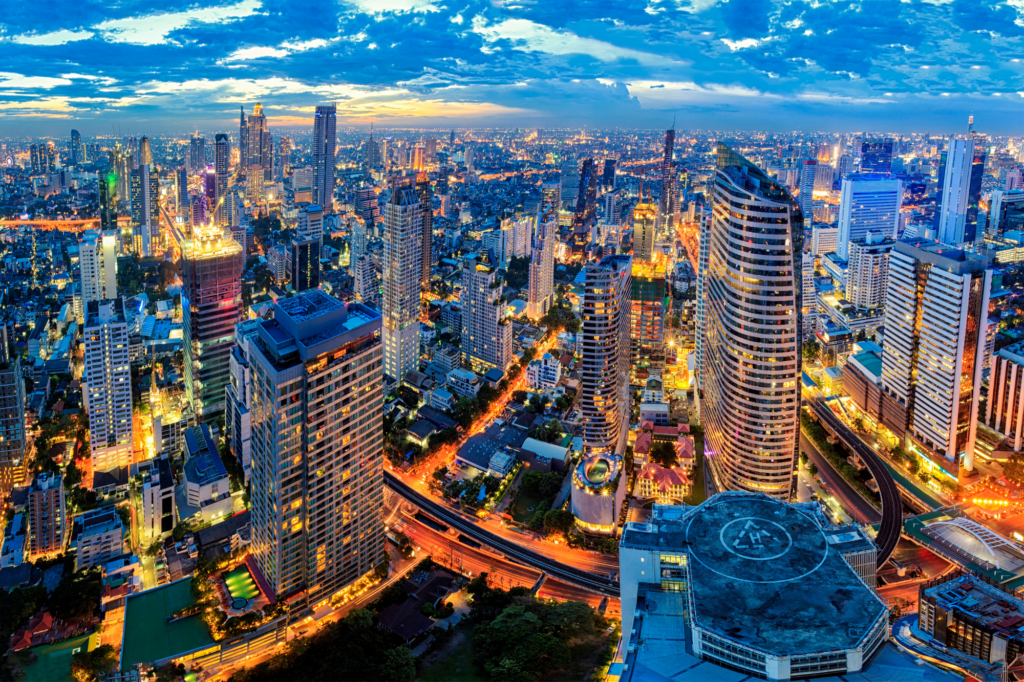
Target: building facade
{"type": "Point", "coordinates": [108, 385]}
{"type": "Point", "coordinates": [868, 203]}
{"type": "Point", "coordinates": [47, 516]}
{"type": "Point", "coordinates": [486, 333]}
{"type": "Point", "coordinates": [401, 281]}
{"type": "Point", "coordinates": [868, 270]}
{"type": "Point", "coordinates": [324, 141]}
{"type": "Point", "coordinates": [97, 260]}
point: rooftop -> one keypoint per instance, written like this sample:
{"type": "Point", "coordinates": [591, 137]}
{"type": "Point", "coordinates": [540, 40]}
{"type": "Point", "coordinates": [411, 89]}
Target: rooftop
{"type": "Point", "coordinates": [764, 574]}
{"type": "Point", "coordinates": [149, 637]}
{"type": "Point", "coordinates": [981, 601]}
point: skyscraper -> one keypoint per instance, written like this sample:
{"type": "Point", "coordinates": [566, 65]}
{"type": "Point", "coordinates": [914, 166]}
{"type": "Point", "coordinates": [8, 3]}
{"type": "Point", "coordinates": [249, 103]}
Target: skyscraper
{"type": "Point", "coordinates": [209, 178]}
{"type": "Point", "coordinates": [97, 256]}
{"type": "Point", "coordinates": [647, 318]}
{"type": "Point", "coordinates": [644, 217]}
{"type": "Point", "coordinates": [310, 224]}
{"type": "Point", "coordinates": [76, 148]}
{"type": "Point", "coordinates": [876, 155]}
{"type": "Point", "coordinates": [936, 310]}
{"type": "Point", "coordinates": [145, 152]}
{"type": "Point", "coordinates": [403, 244]}
{"type": "Point", "coordinates": [612, 213]}
{"type": "Point", "coordinates": [145, 193]}
{"type": "Point", "coordinates": [426, 195]}
{"type": "Point", "coordinates": [47, 516]}
{"type": "Point", "coordinates": [608, 175]}
{"type": "Point", "coordinates": [108, 201]}
{"type": "Point", "coordinates": [868, 203]}
{"type": "Point", "coordinates": [222, 169]}
{"type": "Point", "coordinates": [243, 139]}
{"type": "Point", "coordinates": [604, 364]}
{"type": "Point", "coordinates": [542, 269]}
{"type": "Point", "coordinates": [570, 180]}
{"type": "Point", "coordinates": [586, 206]}
{"type": "Point", "coordinates": [35, 159]}
{"type": "Point", "coordinates": [13, 463]}
{"type": "Point", "coordinates": [367, 206]}
{"type": "Point", "coordinates": [197, 154]}
{"type": "Point", "coordinates": [668, 181]}
{"type": "Point", "coordinates": [284, 156]}
{"type": "Point", "coordinates": [752, 332]}
{"type": "Point", "coordinates": [486, 333]}
{"type": "Point", "coordinates": [258, 144]}
{"type": "Point", "coordinates": [317, 446]}
{"type": "Point", "coordinates": [868, 270]}
{"type": "Point", "coordinates": [210, 302]}
{"type": "Point", "coordinates": [551, 198]}
{"type": "Point", "coordinates": [808, 173]}
{"type": "Point", "coordinates": [305, 264]}
{"type": "Point", "coordinates": [108, 384]}
{"type": "Point", "coordinates": [324, 140]}
{"type": "Point", "coordinates": [181, 191]}
{"type": "Point", "coordinates": [961, 169]}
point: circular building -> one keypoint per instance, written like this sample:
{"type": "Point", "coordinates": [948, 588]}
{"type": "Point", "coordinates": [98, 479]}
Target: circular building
{"type": "Point", "coordinates": [598, 490]}
{"type": "Point", "coordinates": [767, 588]}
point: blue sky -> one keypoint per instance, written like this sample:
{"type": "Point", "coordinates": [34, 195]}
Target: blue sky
{"type": "Point", "coordinates": [889, 65]}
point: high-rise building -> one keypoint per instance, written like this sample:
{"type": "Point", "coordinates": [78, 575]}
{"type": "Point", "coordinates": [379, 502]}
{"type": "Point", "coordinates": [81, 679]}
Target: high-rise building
{"type": "Point", "coordinates": [1004, 408]}
{"type": "Point", "coordinates": [486, 333]}
{"type": "Point", "coordinates": [35, 160]}
{"type": "Point", "coordinates": [703, 249]}
{"type": "Point", "coordinates": [647, 318]}
{"type": "Point", "coordinates": [209, 178]}
{"type": "Point", "coordinates": [604, 365]}
{"type": "Point", "coordinates": [608, 175]}
{"type": "Point", "coordinates": [197, 154]}
{"type": "Point", "coordinates": [210, 302]}
{"type": "Point", "coordinates": [13, 462]}
{"type": "Point", "coordinates": [570, 181]}
{"type": "Point", "coordinates": [808, 296]}
{"type": "Point", "coordinates": [808, 173]}
{"type": "Point", "coordinates": [961, 169]}
{"type": "Point", "coordinates": [367, 281]}
{"type": "Point", "coordinates": [259, 145]}
{"type": "Point", "coordinates": [752, 333]}
{"type": "Point", "coordinates": [542, 270]}
{"type": "Point", "coordinates": [324, 140]}
{"type": "Point", "coordinates": [108, 201]}
{"type": "Point", "coordinates": [1006, 212]}
{"type": "Point", "coordinates": [868, 270]}
{"type": "Point", "coordinates": [49, 159]}
{"type": "Point", "coordinates": [97, 257]}
{"type": "Point", "coordinates": [284, 157]}
{"type": "Point", "coordinates": [222, 170]}
{"type": "Point", "coordinates": [876, 155]}
{"type": "Point", "coordinates": [668, 180]}
{"type": "Point", "coordinates": [403, 270]}
{"type": "Point", "coordinates": [426, 196]}
{"type": "Point", "coordinates": [644, 218]}
{"type": "Point", "coordinates": [430, 147]}
{"type": "Point", "coordinates": [367, 206]}
{"type": "Point", "coordinates": [145, 152]}
{"type": "Point", "coordinates": [586, 203]}
{"type": "Point", "coordinates": [470, 159]}
{"type": "Point", "coordinates": [243, 139]}
{"type": "Point", "coordinates": [181, 192]}
{"type": "Point", "coordinates": [356, 244]}
{"type": "Point", "coordinates": [551, 198]}
{"type": "Point", "coordinates": [47, 516]}
{"type": "Point", "coordinates": [317, 446]}
{"type": "Point", "coordinates": [936, 310]}
{"type": "Point", "coordinates": [305, 264]}
{"type": "Point", "coordinates": [310, 224]}
{"type": "Point", "coordinates": [612, 205]}
{"type": "Point", "coordinates": [76, 148]}
{"type": "Point", "coordinates": [145, 200]}
{"type": "Point", "coordinates": [108, 384]}
{"type": "Point", "coordinates": [868, 203]}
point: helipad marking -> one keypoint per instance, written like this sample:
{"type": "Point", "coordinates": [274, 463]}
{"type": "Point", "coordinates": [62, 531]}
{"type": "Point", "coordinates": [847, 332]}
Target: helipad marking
{"type": "Point", "coordinates": [756, 538]}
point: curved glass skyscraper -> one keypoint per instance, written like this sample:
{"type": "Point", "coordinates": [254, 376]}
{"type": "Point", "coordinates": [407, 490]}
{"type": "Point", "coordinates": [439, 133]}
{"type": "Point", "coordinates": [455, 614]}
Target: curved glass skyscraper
{"type": "Point", "coordinates": [752, 332]}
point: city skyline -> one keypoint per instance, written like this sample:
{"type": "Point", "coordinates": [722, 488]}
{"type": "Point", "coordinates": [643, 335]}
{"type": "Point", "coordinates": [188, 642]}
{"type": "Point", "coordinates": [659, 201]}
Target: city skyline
{"type": "Point", "coordinates": [751, 64]}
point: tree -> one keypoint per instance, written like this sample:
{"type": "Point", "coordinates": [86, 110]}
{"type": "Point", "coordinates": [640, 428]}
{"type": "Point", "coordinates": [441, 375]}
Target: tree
{"type": "Point", "coordinates": [518, 273]}
{"type": "Point", "coordinates": [664, 454]}
{"type": "Point", "coordinates": [77, 595]}
{"type": "Point", "coordinates": [810, 349]}
{"type": "Point", "coordinates": [812, 468]}
{"type": "Point", "coordinates": [396, 665]}
{"type": "Point", "coordinates": [520, 396]}
{"type": "Point", "coordinates": [559, 521]}
{"type": "Point", "coordinates": [551, 432]}
{"type": "Point", "coordinates": [90, 665]}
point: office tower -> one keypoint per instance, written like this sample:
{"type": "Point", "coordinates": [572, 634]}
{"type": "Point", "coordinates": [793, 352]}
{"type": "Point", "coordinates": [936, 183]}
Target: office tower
{"type": "Point", "coordinates": [145, 200]}
{"type": "Point", "coordinates": [426, 196]}
{"type": "Point", "coordinates": [35, 159]}
{"type": "Point", "coordinates": [752, 343]}
{"type": "Point", "coordinates": [604, 366]}
{"type": "Point", "coordinates": [542, 270]}
{"type": "Point", "coordinates": [13, 463]}
{"type": "Point", "coordinates": [222, 170]}
{"type": "Point", "coordinates": [824, 239]}
{"type": "Point", "coordinates": [108, 384]}
{"type": "Point", "coordinates": [284, 157]}
{"type": "Point", "coordinates": [824, 176]}
{"type": "Point", "coordinates": [77, 156]}
{"type": "Point", "coordinates": [324, 140]}
{"type": "Point", "coordinates": [371, 152]}
{"type": "Point", "coordinates": [121, 165]}
{"type": "Point", "coordinates": [936, 309]}
{"type": "Point", "coordinates": [611, 208]}
{"type": "Point", "coordinates": [644, 217]}
{"type": "Point", "coordinates": [243, 139]}
{"type": "Point", "coordinates": [47, 516]}
{"type": "Point", "coordinates": [417, 158]}
{"type": "Point", "coordinates": [108, 201]}
{"type": "Point", "coordinates": [403, 271]}
{"type": "Point", "coordinates": [210, 302]}
{"type": "Point", "coordinates": [430, 147]}
{"type": "Point", "coordinates": [868, 269]}
{"type": "Point", "coordinates": [356, 244]}
{"type": "Point", "coordinates": [961, 168]}
{"type": "Point", "coordinates": [486, 333]}
{"type": "Point", "coordinates": [1014, 180]}
{"type": "Point", "coordinates": [808, 173]}
{"type": "Point", "coordinates": [1006, 212]}
{"type": "Point", "coordinates": [451, 137]}
{"type": "Point", "coordinates": [145, 152]}
{"type": "Point", "coordinates": [254, 185]}
{"type": "Point", "coordinates": [868, 203]}
{"type": "Point", "coordinates": [703, 249]}
{"type": "Point", "coordinates": [469, 159]}
{"type": "Point", "coordinates": [305, 264]}
{"type": "Point", "coordinates": [49, 159]}
{"type": "Point", "coordinates": [570, 180]}
{"type": "Point", "coordinates": [317, 483]}
{"type": "Point", "coordinates": [608, 175]}
{"type": "Point", "coordinates": [209, 178]}
{"type": "Point", "coordinates": [808, 296]}
{"type": "Point", "coordinates": [647, 318]}
{"type": "Point", "coordinates": [97, 257]}
{"type": "Point", "coordinates": [310, 224]}
{"type": "Point", "coordinates": [666, 201]}
{"type": "Point", "coordinates": [198, 205]}
{"type": "Point", "coordinates": [586, 206]}
{"type": "Point", "coordinates": [367, 206]}
{"type": "Point", "coordinates": [551, 198]}
{"type": "Point", "coordinates": [876, 155]}
{"type": "Point", "coordinates": [259, 145]}
{"type": "Point", "coordinates": [197, 154]}
{"type": "Point", "coordinates": [180, 191]}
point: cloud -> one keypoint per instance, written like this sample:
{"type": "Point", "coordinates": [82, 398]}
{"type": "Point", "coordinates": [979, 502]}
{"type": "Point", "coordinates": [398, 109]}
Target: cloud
{"type": "Point", "coordinates": [61, 37]}
{"type": "Point", "coordinates": [11, 81]}
{"type": "Point", "coordinates": [153, 29]}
